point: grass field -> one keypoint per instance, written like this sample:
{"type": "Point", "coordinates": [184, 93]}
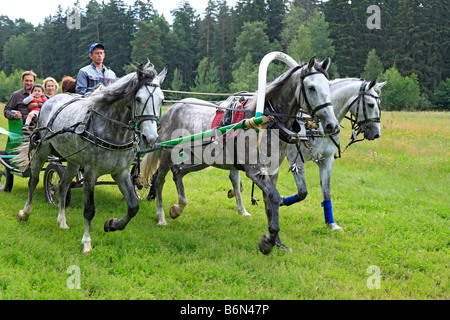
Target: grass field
{"type": "Point", "coordinates": [390, 196]}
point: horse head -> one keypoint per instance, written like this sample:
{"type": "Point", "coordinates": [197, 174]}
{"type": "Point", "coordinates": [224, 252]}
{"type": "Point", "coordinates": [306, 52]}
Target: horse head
{"type": "Point", "coordinates": [315, 89]}
{"type": "Point", "coordinates": [367, 110]}
{"type": "Point", "coordinates": [147, 104]}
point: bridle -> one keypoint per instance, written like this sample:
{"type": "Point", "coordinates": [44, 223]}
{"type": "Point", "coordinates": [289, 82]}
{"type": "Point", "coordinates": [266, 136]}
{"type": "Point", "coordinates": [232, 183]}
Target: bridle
{"type": "Point", "coordinates": [138, 119]}
{"type": "Point", "coordinates": [312, 112]}
{"type": "Point", "coordinates": [361, 126]}
{"type": "Point", "coordinates": [286, 134]}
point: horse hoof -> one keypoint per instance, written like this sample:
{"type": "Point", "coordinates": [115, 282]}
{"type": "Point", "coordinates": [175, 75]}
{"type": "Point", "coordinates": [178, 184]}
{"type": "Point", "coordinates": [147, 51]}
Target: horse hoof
{"type": "Point", "coordinates": [110, 225]}
{"type": "Point", "coordinates": [21, 216]}
{"type": "Point", "coordinates": [246, 214]}
{"type": "Point", "coordinates": [173, 212]}
{"type": "Point", "coordinates": [231, 193]}
{"type": "Point", "coordinates": [265, 245]}
{"type": "Point", "coordinates": [87, 248]}
{"type": "Point", "coordinates": [284, 247]}
{"type": "Point", "coordinates": [334, 227]}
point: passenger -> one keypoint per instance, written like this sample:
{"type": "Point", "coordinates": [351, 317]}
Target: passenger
{"type": "Point", "coordinates": [16, 108]}
{"type": "Point", "coordinates": [90, 76]}
{"type": "Point", "coordinates": [68, 84]}
{"type": "Point", "coordinates": [50, 87]}
{"type": "Point", "coordinates": [34, 102]}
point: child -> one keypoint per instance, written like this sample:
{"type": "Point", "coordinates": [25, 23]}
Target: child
{"type": "Point", "coordinates": [35, 102]}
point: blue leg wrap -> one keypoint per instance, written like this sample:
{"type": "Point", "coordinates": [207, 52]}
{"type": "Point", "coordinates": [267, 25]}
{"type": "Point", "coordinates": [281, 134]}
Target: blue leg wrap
{"type": "Point", "coordinates": [328, 210]}
{"type": "Point", "coordinates": [289, 201]}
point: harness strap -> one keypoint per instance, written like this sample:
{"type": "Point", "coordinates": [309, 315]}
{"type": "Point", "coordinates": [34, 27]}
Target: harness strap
{"type": "Point", "coordinates": [109, 145]}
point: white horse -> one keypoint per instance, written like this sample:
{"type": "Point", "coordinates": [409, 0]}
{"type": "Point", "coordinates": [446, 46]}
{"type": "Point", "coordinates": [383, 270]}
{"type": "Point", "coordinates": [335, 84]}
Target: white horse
{"type": "Point", "coordinates": [356, 96]}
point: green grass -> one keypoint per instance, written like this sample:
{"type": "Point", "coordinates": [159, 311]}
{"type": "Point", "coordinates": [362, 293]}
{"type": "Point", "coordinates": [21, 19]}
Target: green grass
{"type": "Point", "coordinates": [390, 196]}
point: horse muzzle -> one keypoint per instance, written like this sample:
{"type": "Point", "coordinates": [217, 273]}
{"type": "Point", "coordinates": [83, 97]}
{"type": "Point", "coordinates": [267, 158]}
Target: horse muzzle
{"type": "Point", "coordinates": [148, 140]}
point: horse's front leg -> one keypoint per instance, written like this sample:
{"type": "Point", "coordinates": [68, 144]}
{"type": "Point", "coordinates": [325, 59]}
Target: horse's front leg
{"type": "Point", "coordinates": [38, 162]}
{"type": "Point", "coordinates": [272, 201]}
{"type": "Point", "coordinates": [298, 172]}
{"type": "Point", "coordinates": [125, 185]}
{"type": "Point", "coordinates": [325, 169]}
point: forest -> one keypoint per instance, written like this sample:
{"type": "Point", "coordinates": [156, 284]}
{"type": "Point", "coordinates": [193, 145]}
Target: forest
{"type": "Point", "coordinates": [405, 42]}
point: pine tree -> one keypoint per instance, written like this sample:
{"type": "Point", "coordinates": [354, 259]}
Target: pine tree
{"type": "Point", "coordinates": [373, 67]}
{"type": "Point", "coordinates": [206, 28]}
{"type": "Point", "coordinates": [184, 41]}
{"type": "Point", "coordinates": [147, 45]}
{"type": "Point", "coordinates": [245, 78]}
{"type": "Point", "coordinates": [207, 79]}
{"type": "Point", "coordinates": [117, 34]}
{"type": "Point", "coordinates": [253, 40]}
{"type": "Point", "coordinates": [276, 10]}
{"type": "Point", "coordinates": [223, 43]}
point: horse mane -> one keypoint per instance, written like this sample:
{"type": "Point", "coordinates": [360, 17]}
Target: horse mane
{"type": "Point", "coordinates": [125, 87]}
{"type": "Point", "coordinates": [274, 87]}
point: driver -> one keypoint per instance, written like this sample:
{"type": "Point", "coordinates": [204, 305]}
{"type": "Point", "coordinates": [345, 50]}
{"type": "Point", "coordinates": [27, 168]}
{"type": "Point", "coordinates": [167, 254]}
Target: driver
{"type": "Point", "coordinates": [95, 73]}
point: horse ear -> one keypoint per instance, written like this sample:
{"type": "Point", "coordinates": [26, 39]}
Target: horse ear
{"type": "Point", "coordinates": [372, 83]}
{"type": "Point", "coordinates": [378, 87]}
{"type": "Point", "coordinates": [326, 63]}
{"type": "Point", "coordinates": [162, 75]}
{"type": "Point", "coordinates": [311, 63]}
{"type": "Point", "coordinates": [140, 71]}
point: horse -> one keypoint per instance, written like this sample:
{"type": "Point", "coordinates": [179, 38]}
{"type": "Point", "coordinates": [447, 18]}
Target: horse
{"type": "Point", "coordinates": [101, 133]}
{"type": "Point", "coordinates": [356, 96]}
{"type": "Point", "coordinates": [304, 86]}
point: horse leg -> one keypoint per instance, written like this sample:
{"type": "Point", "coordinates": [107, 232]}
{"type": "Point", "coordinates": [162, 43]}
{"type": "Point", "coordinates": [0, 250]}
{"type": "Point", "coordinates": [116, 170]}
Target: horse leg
{"type": "Point", "coordinates": [298, 172]}
{"type": "Point", "coordinates": [64, 185]}
{"type": "Point", "coordinates": [177, 209]}
{"type": "Point", "coordinates": [125, 185]}
{"type": "Point", "coordinates": [272, 201]}
{"type": "Point", "coordinates": [89, 180]}
{"type": "Point", "coordinates": [39, 160]}
{"type": "Point", "coordinates": [325, 168]}
{"type": "Point", "coordinates": [235, 178]}
{"type": "Point", "coordinates": [158, 183]}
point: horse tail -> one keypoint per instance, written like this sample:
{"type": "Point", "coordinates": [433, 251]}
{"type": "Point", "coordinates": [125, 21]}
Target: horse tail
{"type": "Point", "coordinates": [24, 156]}
{"type": "Point", "coordinates": [150, 164]}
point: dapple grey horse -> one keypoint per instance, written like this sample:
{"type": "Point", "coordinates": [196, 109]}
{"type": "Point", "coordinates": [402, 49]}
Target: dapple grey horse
{"type": "Point", "coordinates": [356, 96]}
{"type": "Point", "coordinates": [305, 86]}
{"type": "Point", "coordinates": [100, 133]}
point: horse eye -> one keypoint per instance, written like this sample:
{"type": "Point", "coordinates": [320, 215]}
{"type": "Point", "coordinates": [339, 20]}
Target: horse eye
{"type": "Point", "coordinates": [312, 89]}
{"type": "Point", "coordinates": [371, 105]}
{"type": "Point", "coordinates": [138, 100]}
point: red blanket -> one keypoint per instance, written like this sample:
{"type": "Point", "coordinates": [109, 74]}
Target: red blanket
{"type": "Point", "coordinates": [237, 115]}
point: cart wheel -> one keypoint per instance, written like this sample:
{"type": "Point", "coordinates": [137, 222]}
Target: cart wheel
{"type": "Point", "coordinates": [140, 190]}
{"type": "Point", "coordinates": [52, 175]}
{"type": "Point", "coordinates": [6, 177]}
